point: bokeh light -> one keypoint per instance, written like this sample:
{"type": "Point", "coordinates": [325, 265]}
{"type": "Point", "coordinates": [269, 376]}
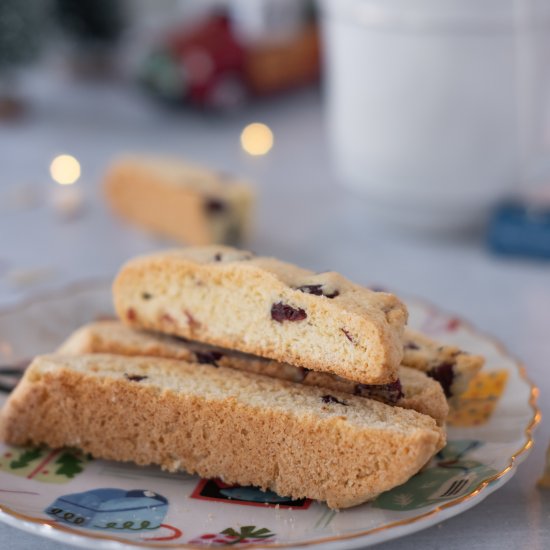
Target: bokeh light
{"type": "Point", "coordinates": [65, 169]}
{"type": "Point", "coordinates": [257, 139]}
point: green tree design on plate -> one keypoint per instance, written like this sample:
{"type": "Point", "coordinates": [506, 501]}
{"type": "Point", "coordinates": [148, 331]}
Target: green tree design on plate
{"type": "Point", "coordinates": [43, 464]}
{"type": "Point", "coordinates": [451, 476]}
{"type": "Point", "coordinates": [26, 458]}
{"type": "Point", "coordinates": [70, 464]}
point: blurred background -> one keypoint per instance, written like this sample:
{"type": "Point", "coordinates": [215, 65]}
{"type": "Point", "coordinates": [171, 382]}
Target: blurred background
{"type": "Point", "coordinates": [231, 86]}
{"type": "Point", "coordinates": [402, 121]}
{"type": "Point", "coordinates": [405, 144]}
{"type": "Point", "coordinates": [363, 125]}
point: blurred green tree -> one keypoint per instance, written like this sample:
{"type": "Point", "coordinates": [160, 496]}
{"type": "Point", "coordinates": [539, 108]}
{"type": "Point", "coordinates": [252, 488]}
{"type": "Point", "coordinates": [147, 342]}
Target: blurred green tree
{"type": "Point", "coordinates": [21, 31]}
{"type": "Point", "coordinates": [91, 22]}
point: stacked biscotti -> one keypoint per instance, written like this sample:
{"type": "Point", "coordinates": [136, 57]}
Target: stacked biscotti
{"type": "Point", "coordinates": [226, 364]}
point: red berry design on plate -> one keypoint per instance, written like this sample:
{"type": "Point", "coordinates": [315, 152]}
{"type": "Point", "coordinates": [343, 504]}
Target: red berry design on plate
{"type": "Point", "coordinates": [244, 535]}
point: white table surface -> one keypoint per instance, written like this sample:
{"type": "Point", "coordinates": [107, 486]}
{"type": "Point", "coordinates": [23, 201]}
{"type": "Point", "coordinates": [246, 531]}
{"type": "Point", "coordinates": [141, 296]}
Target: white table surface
{"type": "Point", "coordinates": [304, 216]}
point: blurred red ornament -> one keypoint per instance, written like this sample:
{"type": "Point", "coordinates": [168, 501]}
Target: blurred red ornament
{"type": "Point", "coordinates": [210, 66]}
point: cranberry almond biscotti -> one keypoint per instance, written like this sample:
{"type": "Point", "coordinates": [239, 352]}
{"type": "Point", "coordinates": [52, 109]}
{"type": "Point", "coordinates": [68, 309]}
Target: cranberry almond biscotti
{"type": "Point", "coordinates": [188, 203]}
{"type": "Point", "coordinates": [247, 429]}
{"type": "Point", "coordinates": [233, 299]}
{"type": "Point", "coordinates": [452, 367]}
{"type": "Point", "coordinates": [414, 389]}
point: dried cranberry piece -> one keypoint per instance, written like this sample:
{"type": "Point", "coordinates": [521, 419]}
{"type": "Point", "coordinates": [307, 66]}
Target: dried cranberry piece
{"type": "Point", "coordinates": [208, 357]}
{"type": "Point", "coordinates": [348, 335]}
{"type": "Point", "coordinates": [193, 323]}
{"type": "Point", "coordinates": [215, 206]}
{"type": "Point", "coordinates": [134, 377]}
{"type": "Point", "coordinates": [283, 312]}
{"type": "Point", "coordinates": [311, 289]}
{"type": "Point", "coordinates": [131, 314]}
{"type": "Point", "coordinates": [167, 318]}
{"type": "Point", "coordinates": [445, 375]}
{"type": "Point", "coordinates": [389, 393]}
{"type": "Point", "coordinates": [332, 399]}
{"type": "Point", "coordinates": [412, 345]}
{"type": "Point", "coordinates": [303, 373]}
{"type": "Point", "coordinates": [317, 290]}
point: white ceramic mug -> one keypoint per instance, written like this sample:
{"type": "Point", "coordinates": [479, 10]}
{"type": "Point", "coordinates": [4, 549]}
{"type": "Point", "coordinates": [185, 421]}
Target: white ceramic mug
{"type": "Point", "coordinates": [437, 108]}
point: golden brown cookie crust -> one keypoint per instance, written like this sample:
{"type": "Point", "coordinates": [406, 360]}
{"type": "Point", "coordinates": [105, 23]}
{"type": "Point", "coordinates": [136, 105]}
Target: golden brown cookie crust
{"type": "Point", "coordinates": [177, 199]}
{"type": "Point", "coordinates": [217, 422]}
{"type": "Point", "coordinates": [233, 299]}
{"type": "Point", "coordinates": [421, 393]}
{"type": "Point", "coordinates": [453, 366]}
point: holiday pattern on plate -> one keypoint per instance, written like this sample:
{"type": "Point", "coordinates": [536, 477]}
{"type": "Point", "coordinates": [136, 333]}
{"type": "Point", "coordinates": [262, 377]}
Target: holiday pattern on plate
{"type": "Point", "coordinates": [451, 477]}
{"type": "Point", "coordinates": [42, 464]}
{"type": "Point", "coordinates": [33, 481]}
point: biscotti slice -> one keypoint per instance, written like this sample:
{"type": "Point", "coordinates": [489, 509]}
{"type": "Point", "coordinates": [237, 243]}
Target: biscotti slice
{"type": "Point", "coordinates": [233, 299]}
{"type": "Point", "coordinates": [449, 365]}
{"type": "Point", "coordinates": [188, 203]}
{"type": "Point", "coordinates": [414, 389]}
{"type": "Point", "coordinates": [246, 429]}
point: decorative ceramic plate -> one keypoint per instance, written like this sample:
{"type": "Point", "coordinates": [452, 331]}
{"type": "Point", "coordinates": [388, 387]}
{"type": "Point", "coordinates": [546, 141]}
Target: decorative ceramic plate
{"type": "Point", "coordinates": [67, 496]}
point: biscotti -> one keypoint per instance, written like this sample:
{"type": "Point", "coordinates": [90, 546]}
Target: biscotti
{"type": "Point", "coordinates": [191, 204]}
{"type": "Point", "coordinates": [247, 429]}
{"type": "Point", "coordinates": [233, 299]}
{"type": "Point", "coordinates": [452, 367]}
{"type": "Point", "coordinates": [414, 389]}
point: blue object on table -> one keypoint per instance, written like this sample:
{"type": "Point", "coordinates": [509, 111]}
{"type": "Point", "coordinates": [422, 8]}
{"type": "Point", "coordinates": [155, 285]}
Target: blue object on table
{"type": "Point", "coordinates": [519, 229]}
